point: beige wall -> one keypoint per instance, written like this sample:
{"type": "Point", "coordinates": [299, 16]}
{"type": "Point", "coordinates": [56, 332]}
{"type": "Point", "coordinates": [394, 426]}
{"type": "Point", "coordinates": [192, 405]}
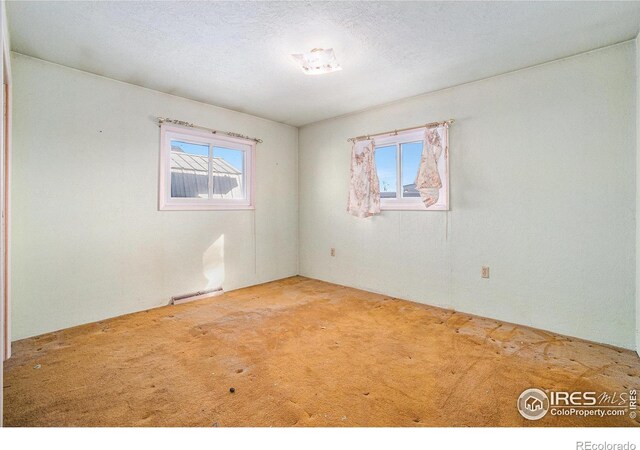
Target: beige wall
{"type": "Point", "coordinates": [637, 72]}
{"type": "Point", "coordinates": [542, 191]}
{"type": "Point", "coordinates": [5, 347]}
{"type": "Point", "coordinates": [88, 240]}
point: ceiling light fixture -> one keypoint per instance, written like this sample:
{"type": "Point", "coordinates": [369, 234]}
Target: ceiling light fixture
{"type": "Point", "coordinates": [317, 61]}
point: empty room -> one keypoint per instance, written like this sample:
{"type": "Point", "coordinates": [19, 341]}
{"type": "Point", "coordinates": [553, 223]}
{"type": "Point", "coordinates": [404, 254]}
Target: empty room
{"type": "Point", "coordinates": [321, 214]}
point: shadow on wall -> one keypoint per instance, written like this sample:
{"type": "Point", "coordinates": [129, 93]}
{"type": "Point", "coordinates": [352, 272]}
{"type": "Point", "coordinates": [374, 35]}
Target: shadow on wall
{"type": "Point", "coordinates": [213, 264]}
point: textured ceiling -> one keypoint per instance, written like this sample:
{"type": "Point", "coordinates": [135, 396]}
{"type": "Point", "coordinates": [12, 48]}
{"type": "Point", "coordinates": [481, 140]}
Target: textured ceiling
{"type": "Point", "coordinates": [235, 54]}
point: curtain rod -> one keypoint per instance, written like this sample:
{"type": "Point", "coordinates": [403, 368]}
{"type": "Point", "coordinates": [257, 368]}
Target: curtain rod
{"type": "Point", "coordinates": [395, 132]}
{"type": "Point", "coordinates": [162, 120]}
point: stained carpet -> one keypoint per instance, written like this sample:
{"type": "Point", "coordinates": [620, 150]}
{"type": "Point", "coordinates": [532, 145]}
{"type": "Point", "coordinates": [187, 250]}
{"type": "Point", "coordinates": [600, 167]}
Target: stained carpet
{"type": "Point", "coordinates": [301, 352]}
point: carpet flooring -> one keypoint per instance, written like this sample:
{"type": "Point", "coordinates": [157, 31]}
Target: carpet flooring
{"type": "Point", "coordinates": [301, 352]}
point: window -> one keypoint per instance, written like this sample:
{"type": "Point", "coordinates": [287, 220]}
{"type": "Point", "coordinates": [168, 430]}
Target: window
{"type": "Point", "coordinates": [200, 170]}
{"type": "Point", "coordinates": [397, 162]}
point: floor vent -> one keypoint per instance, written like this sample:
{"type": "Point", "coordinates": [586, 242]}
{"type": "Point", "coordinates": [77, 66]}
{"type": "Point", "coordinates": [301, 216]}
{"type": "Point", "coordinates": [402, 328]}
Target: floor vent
{"type": "Point", "coordinates": [179, 299]}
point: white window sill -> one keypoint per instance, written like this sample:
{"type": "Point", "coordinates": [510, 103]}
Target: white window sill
{"type": "Point", "coordinates": [410, 206]}
{"type": "Point", "coordinates": [192, 207]}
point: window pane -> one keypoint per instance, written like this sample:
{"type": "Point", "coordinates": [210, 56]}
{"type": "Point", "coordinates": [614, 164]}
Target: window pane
{"type": "Point", "coordinates": [411, 154]}
{"type": "Point", "coordinates": [189, 169]}
{"type": "Point", "coordinates": [386, 167]}
{"type": "Point", "coordinates": [228, 173]}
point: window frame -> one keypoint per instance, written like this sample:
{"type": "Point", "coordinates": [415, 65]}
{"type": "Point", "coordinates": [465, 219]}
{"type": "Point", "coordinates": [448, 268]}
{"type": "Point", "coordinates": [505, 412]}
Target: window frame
{"type": "Point", "coordinates": [411, 203]}
{"type": "Point", "coordinates": [171, 132]}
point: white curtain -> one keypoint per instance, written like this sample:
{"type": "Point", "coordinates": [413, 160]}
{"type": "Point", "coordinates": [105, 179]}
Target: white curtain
{"type": "Point", "coordinates": [428, 182]}
{"type": "Point", "coordinates": [364, 188]}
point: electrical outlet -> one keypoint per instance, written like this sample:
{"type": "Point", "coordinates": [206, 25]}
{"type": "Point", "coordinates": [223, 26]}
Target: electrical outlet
{"type": "Point", "coordinates": [485, 271]}
{"type": "Point", "coordinates": [333, 251]}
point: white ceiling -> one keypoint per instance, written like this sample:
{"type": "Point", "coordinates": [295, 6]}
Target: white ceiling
{"type": "Point", "coordinates": [235, 54]}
